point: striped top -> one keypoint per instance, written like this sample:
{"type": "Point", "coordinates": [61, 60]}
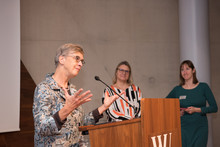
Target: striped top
{"type": "Point", "coordinates": [120, 110]}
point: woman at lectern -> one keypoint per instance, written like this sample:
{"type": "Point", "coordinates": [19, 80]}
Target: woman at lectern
{"type": "Point", "coordinates": [193, 96]}
{"type": "Point", "coordinates": [57, 104]}
{"type": "Point", "coordinates": [122, 82]}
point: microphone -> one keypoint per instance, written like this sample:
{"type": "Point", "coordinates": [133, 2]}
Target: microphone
{"type": "Point", "coordinates": [98, 79]}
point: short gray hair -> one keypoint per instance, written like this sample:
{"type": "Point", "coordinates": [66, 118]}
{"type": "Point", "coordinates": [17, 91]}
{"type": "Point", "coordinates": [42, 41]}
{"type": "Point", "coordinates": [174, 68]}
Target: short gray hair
{"type": "Point", "coordinates": [65, 49]}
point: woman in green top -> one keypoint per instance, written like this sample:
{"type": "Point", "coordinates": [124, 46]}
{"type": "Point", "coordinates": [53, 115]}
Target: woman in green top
{"type": "Point", "coordinates": [193, 96]}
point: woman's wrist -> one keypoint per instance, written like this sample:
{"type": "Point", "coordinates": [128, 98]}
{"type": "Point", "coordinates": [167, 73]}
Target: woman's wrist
{"type": "Point", "coordinates": [198, 110]}
{"type": "Point", "coordinates": [63, 113]}
{"type": "Point", "coordinates": [102, 108]}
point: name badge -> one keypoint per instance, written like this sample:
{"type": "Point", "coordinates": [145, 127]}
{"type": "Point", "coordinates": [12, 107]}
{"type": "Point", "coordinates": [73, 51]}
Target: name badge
{"type": "Point", "coordinates": [182, 97]}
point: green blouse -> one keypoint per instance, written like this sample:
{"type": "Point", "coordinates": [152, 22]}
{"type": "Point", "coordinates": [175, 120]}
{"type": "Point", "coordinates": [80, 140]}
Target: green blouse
{"type": "Point", "coordinates": [194, 127]}
{"type": "Point", "coordinates": [196, 97]}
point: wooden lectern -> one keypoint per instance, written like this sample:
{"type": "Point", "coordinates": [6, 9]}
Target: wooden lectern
{"type": "Point", "coordinates": [159, 126]}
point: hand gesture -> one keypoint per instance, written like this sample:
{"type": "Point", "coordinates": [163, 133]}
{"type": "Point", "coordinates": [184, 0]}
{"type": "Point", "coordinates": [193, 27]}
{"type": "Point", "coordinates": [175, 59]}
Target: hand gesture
{"type": "Point", "coordinates": [192, 109]}
{"type": "Point", "coordinates": [109, 100]}
{"type": "Point", "coordinates": [74, 101]}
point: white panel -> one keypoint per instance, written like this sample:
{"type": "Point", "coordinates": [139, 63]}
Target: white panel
{"type": "Point", "coordinates": [194, 41]}
{"type": "Point", "coordinates": [194, 36]}
{"type": "Point", "coordinates": [10, 65]}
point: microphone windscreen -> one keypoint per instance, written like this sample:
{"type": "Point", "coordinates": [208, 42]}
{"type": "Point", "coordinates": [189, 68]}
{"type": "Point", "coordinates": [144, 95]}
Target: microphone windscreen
{"type": "Point", "coordinates": [97, 78]}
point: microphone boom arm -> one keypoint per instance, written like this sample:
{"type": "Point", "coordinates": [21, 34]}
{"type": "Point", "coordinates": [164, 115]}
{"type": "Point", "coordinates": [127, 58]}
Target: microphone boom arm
{"type": "Point", "coordinates": [98, 79]}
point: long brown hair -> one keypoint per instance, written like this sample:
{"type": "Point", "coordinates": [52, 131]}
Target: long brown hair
{"type": "Point", "coordinates": [190, 64]}
{"type": "Point", "coordinates": [130, 79]}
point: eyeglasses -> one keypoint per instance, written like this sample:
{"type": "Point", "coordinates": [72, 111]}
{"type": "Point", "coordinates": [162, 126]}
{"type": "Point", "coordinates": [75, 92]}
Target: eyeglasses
{"type": "Point", "coordinates": [123, 71]}
{"type": "Point", "coordinates": [77, 58]}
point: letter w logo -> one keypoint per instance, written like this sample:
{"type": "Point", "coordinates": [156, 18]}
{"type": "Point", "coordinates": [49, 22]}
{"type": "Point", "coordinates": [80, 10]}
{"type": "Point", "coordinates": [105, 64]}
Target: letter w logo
{"type": "Point", "coordinates": [154, 138]}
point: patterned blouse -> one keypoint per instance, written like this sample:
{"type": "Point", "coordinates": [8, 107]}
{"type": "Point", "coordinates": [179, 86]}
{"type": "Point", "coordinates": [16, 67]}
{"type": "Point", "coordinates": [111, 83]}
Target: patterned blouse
{"type": "Point", "coordinates": [50, 131]}
{"type": "Point", "coordinates": [120, 110]}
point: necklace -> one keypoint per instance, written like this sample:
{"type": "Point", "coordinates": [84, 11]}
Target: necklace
{"type": "Point", "coordinates": [67, 88]}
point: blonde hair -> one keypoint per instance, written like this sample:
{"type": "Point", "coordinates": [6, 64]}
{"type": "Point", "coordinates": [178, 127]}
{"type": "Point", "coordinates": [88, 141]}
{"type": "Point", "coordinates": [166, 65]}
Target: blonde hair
{"type": "Point", "coordinates": [130, 79]}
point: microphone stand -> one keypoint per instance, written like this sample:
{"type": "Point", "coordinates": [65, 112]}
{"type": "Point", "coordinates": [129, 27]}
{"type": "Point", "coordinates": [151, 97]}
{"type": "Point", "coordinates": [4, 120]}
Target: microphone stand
{"type": "Point", "coordinates": [98, 79]}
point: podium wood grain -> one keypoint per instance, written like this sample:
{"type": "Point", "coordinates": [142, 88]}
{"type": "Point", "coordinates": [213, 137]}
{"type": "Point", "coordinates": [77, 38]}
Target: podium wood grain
{"type": "Point", "coordinates": [160, 116]}
{"type": "Point", "coordinates": [159, 123]}
{"type": "Point", "coordinates": [125, 133]}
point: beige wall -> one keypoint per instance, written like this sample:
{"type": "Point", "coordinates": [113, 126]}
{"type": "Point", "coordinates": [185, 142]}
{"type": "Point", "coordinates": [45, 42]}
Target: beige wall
{"type": "Point", "coordinates": [143, 32]}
